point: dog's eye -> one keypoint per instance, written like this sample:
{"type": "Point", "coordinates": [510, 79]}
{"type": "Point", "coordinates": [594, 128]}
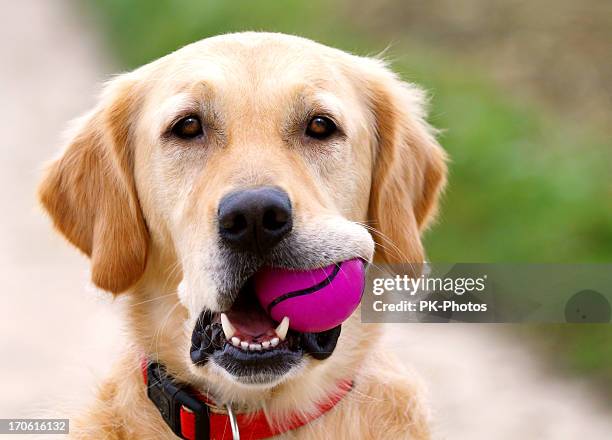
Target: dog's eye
{"type": "Point", "coordinates": [188, 128]}
{"type": "Point", "coordinates": [320, 127]}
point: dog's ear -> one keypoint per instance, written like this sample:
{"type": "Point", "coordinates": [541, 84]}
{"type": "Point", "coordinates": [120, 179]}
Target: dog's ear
{"type": "Point", "coordinates": [90, 194]}
{"type": "Point", "coordinates": [410, 167]}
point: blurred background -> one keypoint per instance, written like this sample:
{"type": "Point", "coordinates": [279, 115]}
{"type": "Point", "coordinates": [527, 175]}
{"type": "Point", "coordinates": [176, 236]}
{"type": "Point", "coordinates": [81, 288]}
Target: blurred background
{"type": "Point", "coordinates": [522, 91]}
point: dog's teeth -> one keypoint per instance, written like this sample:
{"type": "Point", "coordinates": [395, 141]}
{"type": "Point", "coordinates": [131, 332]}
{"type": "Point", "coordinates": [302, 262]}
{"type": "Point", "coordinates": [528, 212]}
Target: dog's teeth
{"type": "Point", "coordinates": [244, 345]}
{"type": "Point", "coordinates": [274, 342]}
{"type": "Point", "coordinates": [255, 347]}
{"type": "Point", "coordinates": [265, 344]}
{"type": "Point", "coordinates": [235, 341]}
{"type": "Point", "coordinates": [228, 328]}
{"type": "Point", "coordinates": [281, 330]}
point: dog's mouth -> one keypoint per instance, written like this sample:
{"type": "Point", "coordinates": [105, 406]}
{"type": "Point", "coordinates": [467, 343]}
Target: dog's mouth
{"type": "Point", "coordinates": [250, 345]}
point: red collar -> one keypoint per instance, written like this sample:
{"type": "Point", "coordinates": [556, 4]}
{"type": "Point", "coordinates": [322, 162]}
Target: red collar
{"type": "Point", "coordinates": [193, 417]}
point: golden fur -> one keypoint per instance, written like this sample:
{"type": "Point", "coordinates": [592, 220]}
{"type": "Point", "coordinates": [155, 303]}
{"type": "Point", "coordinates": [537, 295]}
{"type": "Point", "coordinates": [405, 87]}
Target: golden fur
{"type": "Point", "coordinates": [142, 206]}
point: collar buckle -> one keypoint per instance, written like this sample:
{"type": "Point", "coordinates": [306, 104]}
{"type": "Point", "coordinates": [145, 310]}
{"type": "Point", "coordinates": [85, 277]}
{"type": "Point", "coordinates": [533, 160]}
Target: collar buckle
{"type": "Point", "coordinates": [169, 397]}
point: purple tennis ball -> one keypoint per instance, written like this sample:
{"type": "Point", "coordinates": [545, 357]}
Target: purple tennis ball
{"type": "Point", "coordinates": [314, 300]}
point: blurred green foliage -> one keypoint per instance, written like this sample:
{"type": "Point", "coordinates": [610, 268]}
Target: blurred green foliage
{"type": "Point", "coordinates": [524, 185]}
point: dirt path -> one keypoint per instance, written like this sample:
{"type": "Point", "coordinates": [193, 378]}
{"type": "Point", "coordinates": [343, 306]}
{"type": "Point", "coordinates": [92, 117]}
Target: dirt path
{"type": "Point", "coordinates": [55, 337]}
{"type": "Point", "coordinates": [58, 337]}
{"type": "Point", "coordinates": [485, 385]}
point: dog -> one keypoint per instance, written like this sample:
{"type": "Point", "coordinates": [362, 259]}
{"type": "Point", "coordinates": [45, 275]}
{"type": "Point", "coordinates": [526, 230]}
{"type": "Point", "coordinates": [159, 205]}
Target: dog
{"type": "Point", "coordinates": [193, 172]}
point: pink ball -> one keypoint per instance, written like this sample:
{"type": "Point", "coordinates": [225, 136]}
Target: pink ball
{"type": "Point", "coordinates": [314, 300]}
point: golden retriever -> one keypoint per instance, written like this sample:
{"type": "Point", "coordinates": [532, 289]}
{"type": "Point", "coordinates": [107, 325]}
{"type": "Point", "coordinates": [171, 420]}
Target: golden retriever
{"type": "Point", "coordinates": [331, 148]}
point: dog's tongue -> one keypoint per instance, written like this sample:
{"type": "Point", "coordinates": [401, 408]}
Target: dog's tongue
{"type": "Point", "coordinates": [247, 316]}
{"type": "Point", "coordinates": [251, 323]}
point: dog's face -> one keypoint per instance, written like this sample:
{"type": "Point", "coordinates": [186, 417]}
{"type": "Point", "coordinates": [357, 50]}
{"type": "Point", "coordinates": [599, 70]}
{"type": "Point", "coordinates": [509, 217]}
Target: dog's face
{"type": "Point", "coordinates": [235, 153]}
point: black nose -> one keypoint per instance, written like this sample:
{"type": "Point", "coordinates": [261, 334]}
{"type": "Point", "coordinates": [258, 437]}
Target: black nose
{"type": "Point", "coordinates": [255, 219]}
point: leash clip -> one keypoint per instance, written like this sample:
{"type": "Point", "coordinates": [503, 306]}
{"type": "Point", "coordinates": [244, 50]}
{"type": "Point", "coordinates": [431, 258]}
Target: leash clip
{"type": "Point", "coordinates": [233, 422]}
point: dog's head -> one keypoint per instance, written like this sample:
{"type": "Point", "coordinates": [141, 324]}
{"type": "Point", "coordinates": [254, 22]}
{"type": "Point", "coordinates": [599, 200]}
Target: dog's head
{"type": "Point", "coordinates": [235, 153]}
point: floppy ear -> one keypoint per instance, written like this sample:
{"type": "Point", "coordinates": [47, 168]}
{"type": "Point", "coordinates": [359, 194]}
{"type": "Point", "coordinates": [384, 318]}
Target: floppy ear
{"type": "Point", "coordinates": [409, 171]}
{"type": "Point", "coordinates": [89, 192]}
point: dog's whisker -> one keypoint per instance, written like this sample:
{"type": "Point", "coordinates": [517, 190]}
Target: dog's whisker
{"type": "Point", "coordinates": [394, 248]}
{"type": "Point", "coordinates": [159, 331]}
{"type": "Point", "coordinates": [157, 298]}
{"type": "Point", "coordinates": [389, 241]}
